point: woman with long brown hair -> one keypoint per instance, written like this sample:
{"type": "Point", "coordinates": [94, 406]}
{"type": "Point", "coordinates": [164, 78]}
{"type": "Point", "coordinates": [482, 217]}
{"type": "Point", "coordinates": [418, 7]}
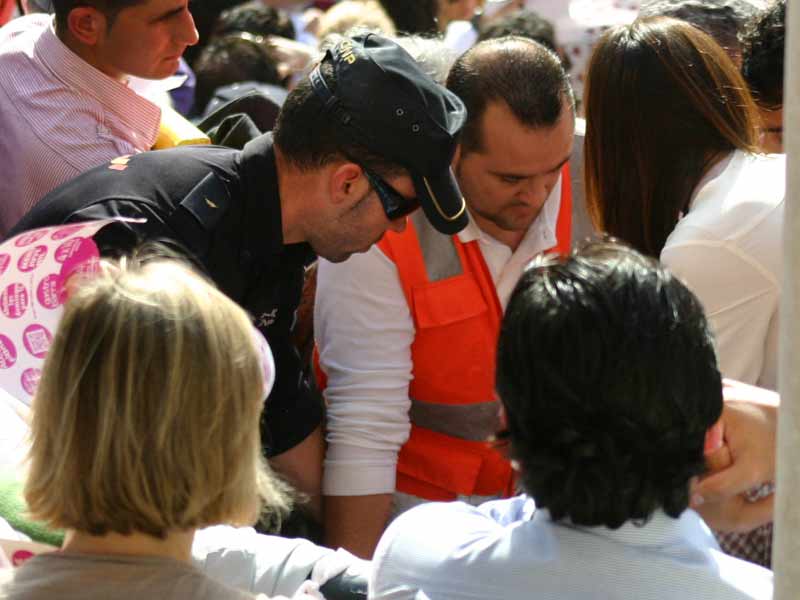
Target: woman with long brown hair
{"type": "Point", "coordinates": [672, 167]}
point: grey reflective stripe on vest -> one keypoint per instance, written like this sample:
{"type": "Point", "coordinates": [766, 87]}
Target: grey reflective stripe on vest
{"type": "Point", "coordinates": [438, 251]}
{"type": "Point", "coordinates": [475, 422]}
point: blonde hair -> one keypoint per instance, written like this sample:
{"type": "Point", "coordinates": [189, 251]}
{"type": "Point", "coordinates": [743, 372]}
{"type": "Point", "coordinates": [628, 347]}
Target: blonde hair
{"type": "Point", "coordinates": [146, 415]}
{"type": "Point", "coordinates": [348, 14]}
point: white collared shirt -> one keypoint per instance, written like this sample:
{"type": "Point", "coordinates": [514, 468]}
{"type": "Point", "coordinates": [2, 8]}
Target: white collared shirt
{"type": "Point", "coordinates": [364, 332]}
{"type": "Point", "coordinates": [728, 250]}
{"type": "Point", "coordinates": [505, 551]}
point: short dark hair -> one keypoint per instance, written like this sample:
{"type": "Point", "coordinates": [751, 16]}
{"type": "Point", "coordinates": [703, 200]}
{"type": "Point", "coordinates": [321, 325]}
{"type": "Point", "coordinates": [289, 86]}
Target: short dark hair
{"type": "Point", "coordinates": [232, 59]}
{"type": "Point", "coordinates": [413, 16]}
{"type": "Point", "coordinates": [520, 72]}
{"type": "Point", "coordinates": [523, 23]}
{"type": "Point", "coordinates": [762, 58]}
{"type": "Point", "coordinates": [608, 376]}
{"type": "Point", "coordinates": [256, 18]}
{"type": "Point", "coordinates": [684, 102]}
{"type": "Point", "coordinates": [723, 20]}
{"type": "Point", "coordinates": [109, 8]}
{"type": "Point", "coordinates": [310, 138]}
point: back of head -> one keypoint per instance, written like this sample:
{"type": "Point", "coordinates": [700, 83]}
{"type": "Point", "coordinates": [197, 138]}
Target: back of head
{"type": "Point", "coordinates": [146, 416]}
{"type": "Point", "coordinates": [233, 58]}
{"type": "Point", "coordinates": [662, 100]}
{"type": "Point", "coordinates": [345, 16]}
{"type": "Point", "coordinates": [520, 72]}
{"type": "Point", "coordinates": [723, 20]}
{"type": "Point", "coordinates": [762, 57]}
{"type": "Point", "coordinates": [608, 376]}
{"type": "Point", "coordinates": [412, 16]}
{"type": "Point", "coordinates": [522, 23]}
{"type": "Point", "coordinates": [255, 18]}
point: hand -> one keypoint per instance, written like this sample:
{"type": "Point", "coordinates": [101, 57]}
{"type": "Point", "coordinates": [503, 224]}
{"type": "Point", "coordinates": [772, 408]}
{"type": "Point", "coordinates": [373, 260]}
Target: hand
{"type": "Point", "coordinates": [292, 56]}
{"type": "Point", "coordinates": [745, 461]}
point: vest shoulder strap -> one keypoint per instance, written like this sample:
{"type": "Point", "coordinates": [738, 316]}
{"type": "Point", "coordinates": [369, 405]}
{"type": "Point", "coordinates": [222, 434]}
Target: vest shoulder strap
{"type": "Point", "coordinates": [421, 254]}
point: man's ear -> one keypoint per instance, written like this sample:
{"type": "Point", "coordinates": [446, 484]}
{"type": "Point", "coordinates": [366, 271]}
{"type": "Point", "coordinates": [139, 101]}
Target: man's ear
{"type": "Point", "coordinates": [347, 184]}
{"type": "Point", "coordinates": [456, 157]}
{"type": "Point", "coordinates": [86, 24]}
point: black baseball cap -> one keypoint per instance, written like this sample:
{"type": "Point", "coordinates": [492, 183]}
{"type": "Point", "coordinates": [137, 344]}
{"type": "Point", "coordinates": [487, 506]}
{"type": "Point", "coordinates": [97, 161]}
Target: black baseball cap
{"type": "Point", "coordinates": [386, 103]}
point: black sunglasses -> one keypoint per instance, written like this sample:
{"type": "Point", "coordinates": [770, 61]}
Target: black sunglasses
{"type": "Point", "coordinates": [395, 205]}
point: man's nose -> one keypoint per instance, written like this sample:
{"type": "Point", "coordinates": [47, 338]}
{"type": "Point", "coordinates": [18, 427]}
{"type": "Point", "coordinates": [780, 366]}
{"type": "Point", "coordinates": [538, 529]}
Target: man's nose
{"type": "Point", "coordinates": [188, 32]}
{"type": "Point", "coordinates": [534, 192]}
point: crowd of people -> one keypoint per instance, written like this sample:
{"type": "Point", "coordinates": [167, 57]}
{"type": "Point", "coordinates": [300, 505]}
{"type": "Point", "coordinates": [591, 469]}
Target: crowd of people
{"type": "Point", "coordinates": [413, 320]}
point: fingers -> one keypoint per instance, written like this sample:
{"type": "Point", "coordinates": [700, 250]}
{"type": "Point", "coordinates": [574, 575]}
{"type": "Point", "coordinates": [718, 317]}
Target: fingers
{"type": "Point", "coordinates": [721, 485]}
{"type": "Point", "coordinates": [719, 459]}
{"type": "Point", "coordinates": [738, 515]}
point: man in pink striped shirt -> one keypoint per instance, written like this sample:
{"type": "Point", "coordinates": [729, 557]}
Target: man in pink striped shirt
{"type": "Point", "coordinates": [65, 105]}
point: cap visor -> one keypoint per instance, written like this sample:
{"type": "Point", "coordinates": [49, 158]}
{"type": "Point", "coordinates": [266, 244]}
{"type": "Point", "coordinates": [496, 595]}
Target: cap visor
{"type": "Point", "coordinates": [442, 201]}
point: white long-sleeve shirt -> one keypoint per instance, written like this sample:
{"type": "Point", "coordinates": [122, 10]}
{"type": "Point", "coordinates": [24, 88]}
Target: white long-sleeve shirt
{"type": "Point", "coordinates": [364, 332]}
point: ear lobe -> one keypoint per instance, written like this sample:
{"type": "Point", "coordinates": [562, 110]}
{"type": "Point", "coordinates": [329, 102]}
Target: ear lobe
{"type": "Point", "coordinates": [86, 24]}
{"type": "Point", "coordinates": [344, 183]}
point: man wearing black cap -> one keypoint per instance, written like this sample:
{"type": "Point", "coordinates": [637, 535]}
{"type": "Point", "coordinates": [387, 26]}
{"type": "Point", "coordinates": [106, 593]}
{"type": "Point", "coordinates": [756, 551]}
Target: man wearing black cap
{"type": "Point", "coordinates": [356, 148]}
{"type": "Point", "coordinates": [406, 332]}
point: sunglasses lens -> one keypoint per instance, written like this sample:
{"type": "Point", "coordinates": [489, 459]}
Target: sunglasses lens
{"type": "Point", "coordinates": [394, 204]}
{"type": "Point", "coordinates": [401, 207]}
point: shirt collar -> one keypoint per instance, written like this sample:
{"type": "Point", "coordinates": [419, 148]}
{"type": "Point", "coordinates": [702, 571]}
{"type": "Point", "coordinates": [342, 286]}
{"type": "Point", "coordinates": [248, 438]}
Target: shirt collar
{"type": "Point", "coordinates": [264, 227]}
{"type": "Point", "coordinates": [660, 530]}
{"type": "Point", "coordinates": [547, 220]}
{"type": "Point", "coordinates": [137, 113]}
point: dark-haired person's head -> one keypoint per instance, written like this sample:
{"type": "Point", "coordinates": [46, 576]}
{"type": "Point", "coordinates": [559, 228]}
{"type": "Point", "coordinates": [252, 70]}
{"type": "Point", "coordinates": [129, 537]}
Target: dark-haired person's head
{"type": "Point", "coordinates": [144, 38]}
{"type": "Point", "coordinates": [230, 59]}
{"type": "Point", "coordinates": [256, 18]}
{"type": "Point", "coordinates": [413, 16]}
{"type": "Point", "coordinates": [528, 24]}
{"type": "Point", "coordinates": [663, 101]}
{"type": "Point", "coordinates": [522, 23]}
{"type": "Point", "coordinates": [723, 20]}
{"type": "Point", "coordinates": [607, 373]}
{"type": "Point", "coordinates": [762, 67]}
{"type": "Point", "coordinates": [519, 130]}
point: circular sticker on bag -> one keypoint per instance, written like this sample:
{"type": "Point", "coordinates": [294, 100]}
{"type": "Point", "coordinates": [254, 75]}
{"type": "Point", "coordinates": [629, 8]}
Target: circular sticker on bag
{"type": "Point", "coordinates": [8, 353]}
{"type": "Point", "coordinates": [48, 292]}
{"type": "Point", "coordinates": [20, 556]}
{"type": "Point", "coordinates": [31, 259]}
{"type": "Point", "coordinates": [5, 260]}
{"type": "Point", "coordinates": [65, 232]}
{"type": "Point", "coordinates": [14, 301]}
{"type": "Point", "coordinates": [26, 239]}
{"type": "Point", "coordinates": [68, 248]}
{"type": "Point", "coordinates": [37, 339]}
{"type": "Point", "coordinates": [30, 379]}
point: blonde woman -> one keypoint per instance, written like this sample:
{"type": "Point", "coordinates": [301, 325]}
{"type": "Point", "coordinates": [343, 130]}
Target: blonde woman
{"type": "Point", "coordinates": [144, 429]}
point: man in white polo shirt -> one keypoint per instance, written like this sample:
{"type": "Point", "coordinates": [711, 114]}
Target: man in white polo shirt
{"type": "Point", "coordinates": [406, 332]}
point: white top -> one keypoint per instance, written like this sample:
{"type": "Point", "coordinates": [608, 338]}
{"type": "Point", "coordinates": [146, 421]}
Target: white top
{"type": "Point", "coordinates": [728, 251]}
{"type": "Point", "coordinates": [506, 551]}
{"type": "Point", "coordinates": [268, 564]}
{"type": "Point", "coordinates": [364, 332]}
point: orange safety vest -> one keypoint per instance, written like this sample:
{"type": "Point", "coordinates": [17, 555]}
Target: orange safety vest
{"type": "Point", "coordinates": [457, 315]}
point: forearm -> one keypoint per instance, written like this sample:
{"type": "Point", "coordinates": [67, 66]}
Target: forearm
{"type": "Point", "coordinates": [301, 466]}
{"type": "Point", "coordinates": [356, 522]}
